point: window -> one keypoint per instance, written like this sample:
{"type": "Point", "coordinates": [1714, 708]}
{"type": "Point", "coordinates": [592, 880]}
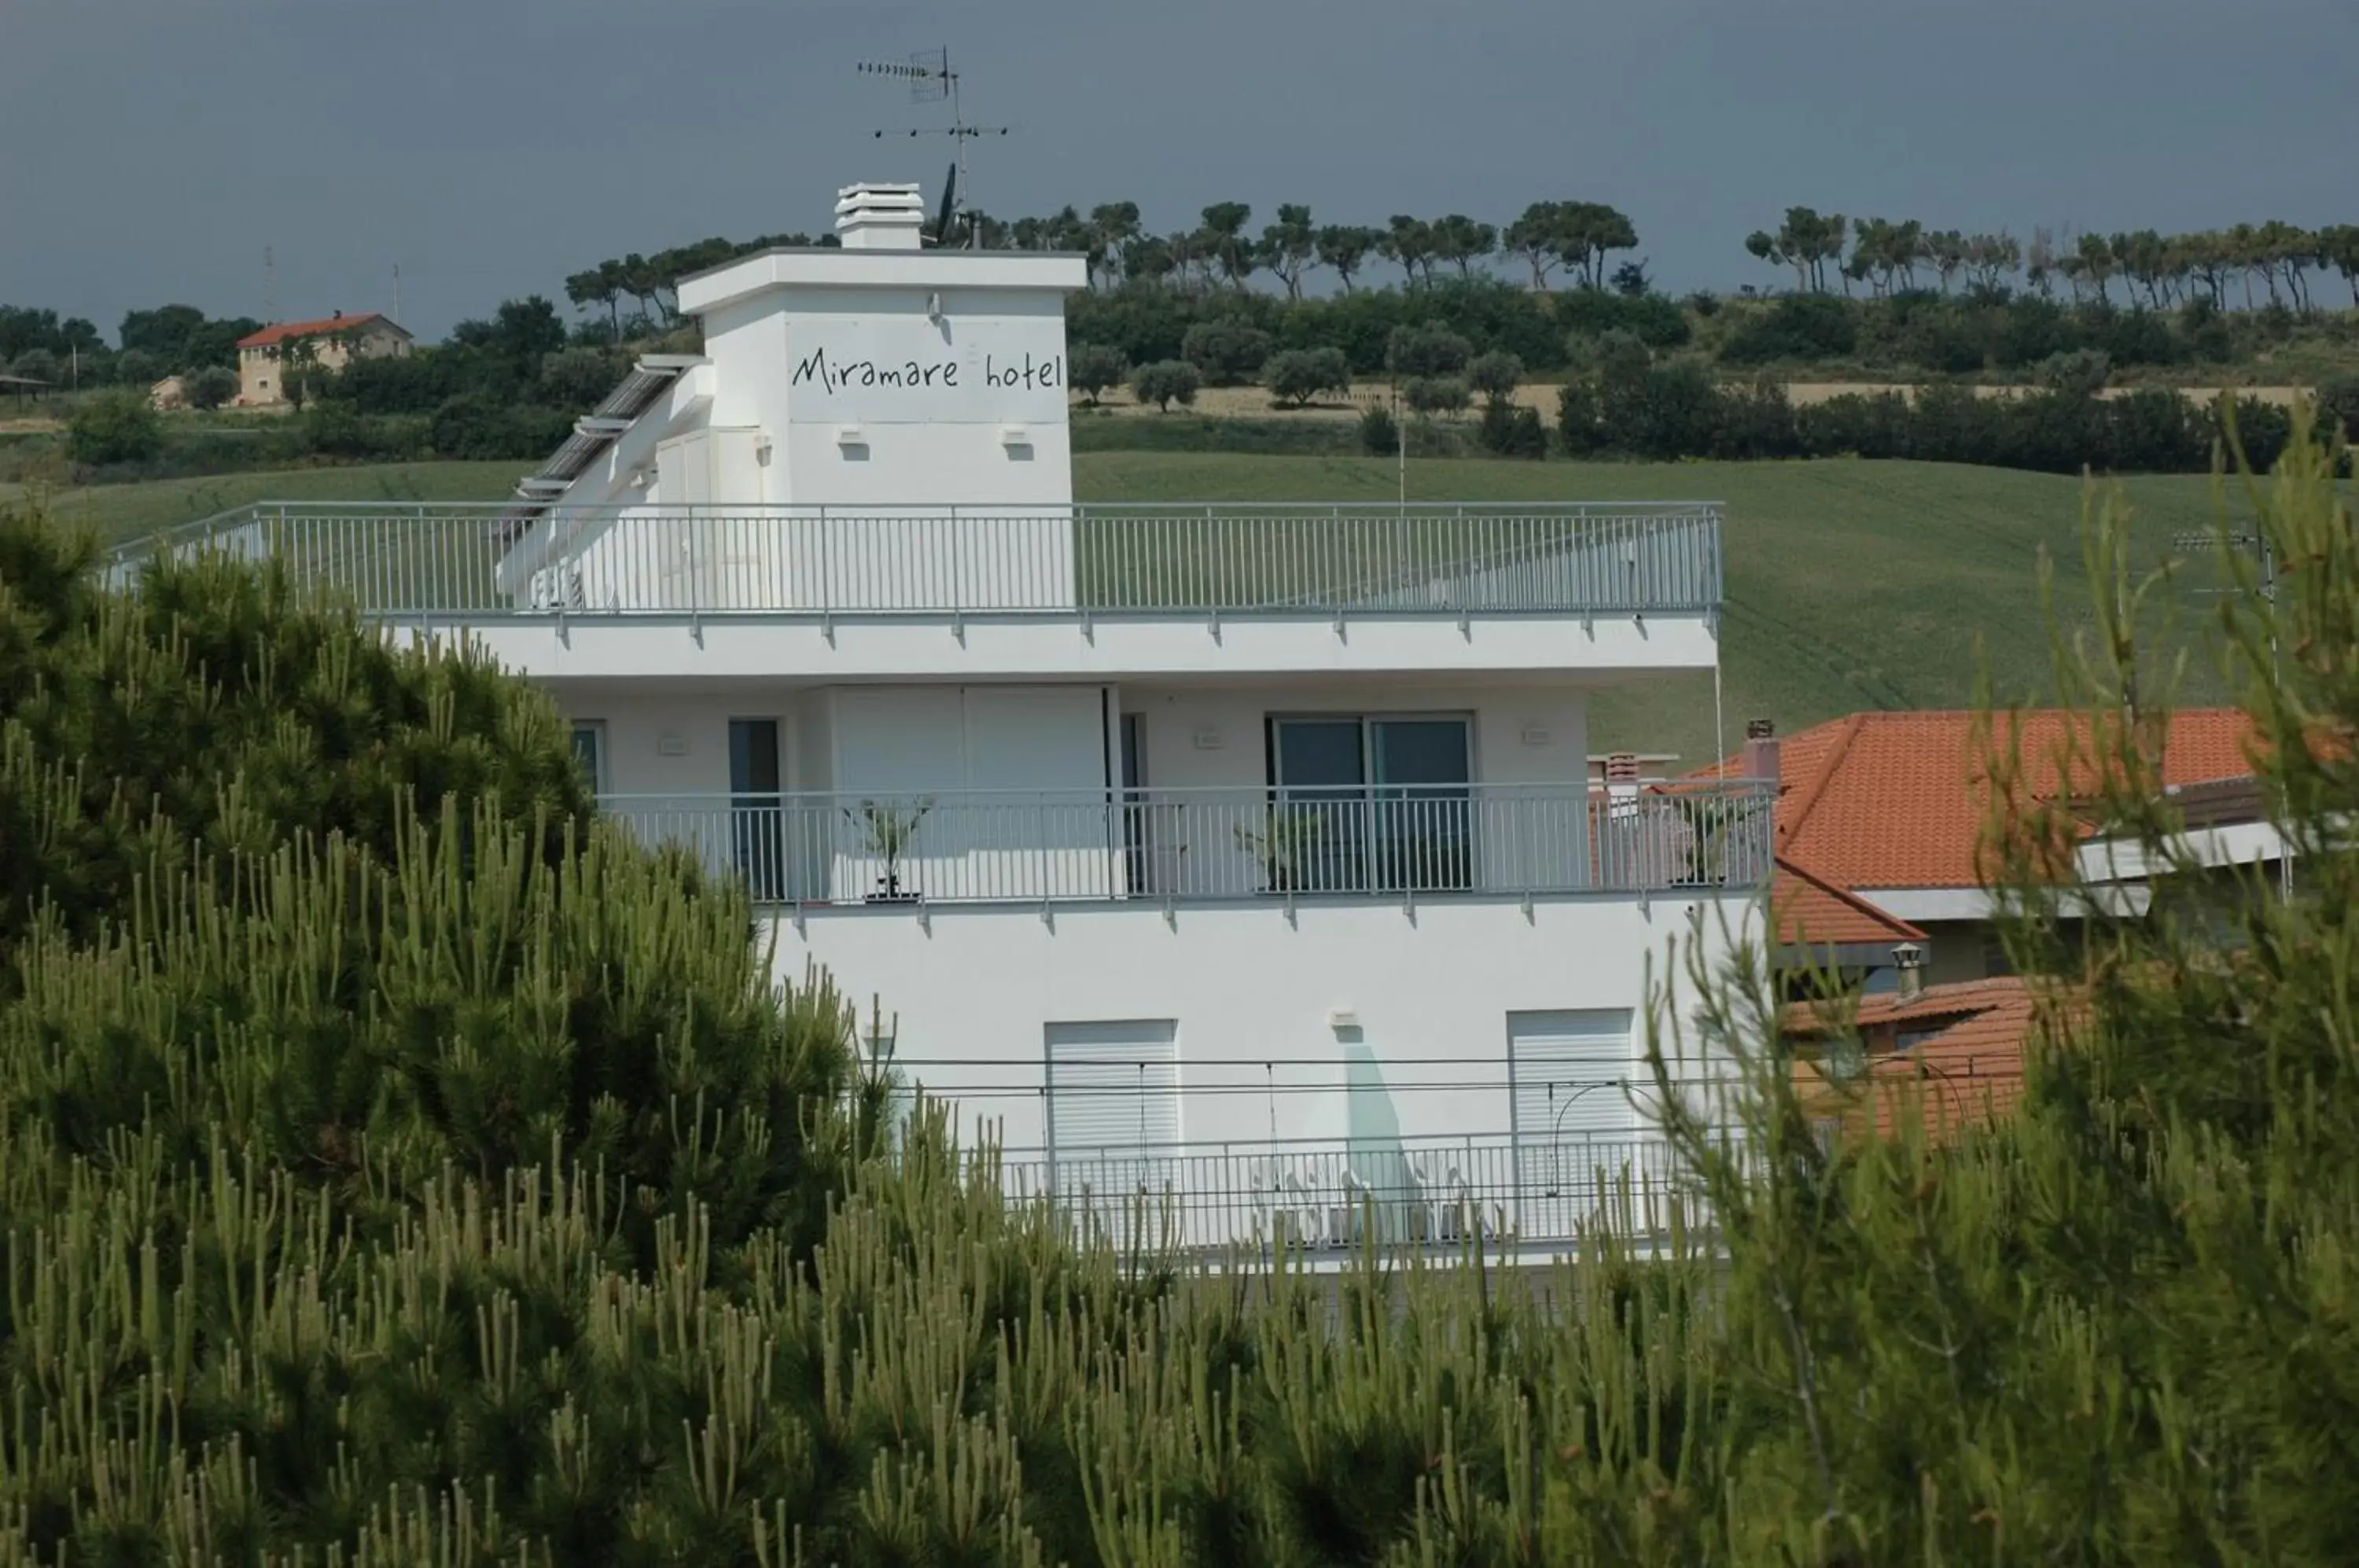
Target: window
{"type": "Point", "coordinates": [1369, 804]}
{"type": "Point", "coordinates": [756, 809]}
{"type": "Point", "coordinates": [589, 753]}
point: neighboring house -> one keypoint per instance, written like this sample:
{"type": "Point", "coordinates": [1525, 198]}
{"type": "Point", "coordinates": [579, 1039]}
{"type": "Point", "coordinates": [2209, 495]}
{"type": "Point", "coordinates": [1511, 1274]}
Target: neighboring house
{"type": "Point", "coordinates": [169, 394]}
{"type": "Point", "coordinates": [1949, 1056]}
{"type": "Point", "coordinates": [1248, 855]}
{"type": "Point", "coordinates": [1887, 810]}
{"type": "Point", "coordinates": [331, 344]}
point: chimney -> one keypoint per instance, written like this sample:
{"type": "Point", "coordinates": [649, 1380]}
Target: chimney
{"type": "Point", "coordinates": [880, 217]}
{"type": "Point", "coordinates": [1909, 959]}
{"type": "Point", "coordinates": [1760, 759]}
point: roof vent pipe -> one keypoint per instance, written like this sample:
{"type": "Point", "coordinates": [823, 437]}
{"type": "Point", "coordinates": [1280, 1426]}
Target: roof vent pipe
{"type": "Point", "coordinates": [1909, 959]}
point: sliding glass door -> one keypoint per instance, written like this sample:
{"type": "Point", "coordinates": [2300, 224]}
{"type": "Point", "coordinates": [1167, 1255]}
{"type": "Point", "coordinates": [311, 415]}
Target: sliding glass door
{"type": "Point", "coordinates": [1362, 804]}
{"type": "Point", "coordinates": [757, 811]}
{"type": "Point", "coordinates": [1422, 803]}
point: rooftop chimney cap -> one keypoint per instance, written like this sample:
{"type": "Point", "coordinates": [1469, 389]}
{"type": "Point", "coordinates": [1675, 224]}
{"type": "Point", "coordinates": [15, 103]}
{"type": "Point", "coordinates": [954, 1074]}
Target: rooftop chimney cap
{"type": "Point", "coordinates": [1760, 729]}
{"type": "Point", "coordinates": [873, 216]}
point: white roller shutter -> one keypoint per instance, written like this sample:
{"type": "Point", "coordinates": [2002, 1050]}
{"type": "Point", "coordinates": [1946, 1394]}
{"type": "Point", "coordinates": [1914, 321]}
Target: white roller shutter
{"type": "Point", "coordinates": [1570, 1113]}
{"type": "Point", "coordinates": [1113, 1118]}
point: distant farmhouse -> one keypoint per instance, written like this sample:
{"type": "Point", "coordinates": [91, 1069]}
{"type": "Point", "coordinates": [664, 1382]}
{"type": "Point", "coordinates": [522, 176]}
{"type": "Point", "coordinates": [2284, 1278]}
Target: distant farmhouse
{"type": "Point", "coordinates": [332, 344]}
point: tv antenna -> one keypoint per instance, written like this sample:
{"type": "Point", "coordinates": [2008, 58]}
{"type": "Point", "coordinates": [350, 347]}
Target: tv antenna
{"type": "Point", "coordinates": [931, 81]}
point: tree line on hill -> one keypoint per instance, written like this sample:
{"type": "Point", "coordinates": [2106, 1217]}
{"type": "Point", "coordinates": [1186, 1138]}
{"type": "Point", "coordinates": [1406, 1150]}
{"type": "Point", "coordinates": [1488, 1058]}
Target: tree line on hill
{"type": "Point", "coordinates": [400, 1164]}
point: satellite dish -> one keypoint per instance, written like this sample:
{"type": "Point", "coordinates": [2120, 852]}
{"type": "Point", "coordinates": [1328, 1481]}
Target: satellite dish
{"type": "Point", "coordinates": [942, 234]}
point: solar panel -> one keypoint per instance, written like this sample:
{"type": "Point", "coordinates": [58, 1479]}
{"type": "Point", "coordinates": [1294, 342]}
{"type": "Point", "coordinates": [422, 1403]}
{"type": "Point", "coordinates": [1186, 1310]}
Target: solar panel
{"type": "Point", "coordinates": [637, 392]}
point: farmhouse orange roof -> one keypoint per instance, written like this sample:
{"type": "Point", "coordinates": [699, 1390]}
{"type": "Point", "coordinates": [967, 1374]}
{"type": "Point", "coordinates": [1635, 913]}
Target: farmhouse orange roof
{"type": "Point", "coordinates": [1896, 799]}
{"type": "Point", "coordinates": [284, 330]}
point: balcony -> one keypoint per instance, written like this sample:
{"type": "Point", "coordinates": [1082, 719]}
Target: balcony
{"type": "Point", "coordinates": [1499, 1191]}
{"type": "Point", "coordinates": [1169, 846]}
{"type": "Point", "coordinates": [443, 562]}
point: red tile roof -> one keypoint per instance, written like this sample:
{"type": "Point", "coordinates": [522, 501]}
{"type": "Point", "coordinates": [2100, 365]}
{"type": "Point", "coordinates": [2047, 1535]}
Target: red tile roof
{"type": "Point", "coordinates": [1814, 913]}
{"type": "Point", "coordinates": [286, 329]}
{"type": "Point", "coordinates": [1896, 799]}
{"type": "Point", "coordinates": [1968, 1067]}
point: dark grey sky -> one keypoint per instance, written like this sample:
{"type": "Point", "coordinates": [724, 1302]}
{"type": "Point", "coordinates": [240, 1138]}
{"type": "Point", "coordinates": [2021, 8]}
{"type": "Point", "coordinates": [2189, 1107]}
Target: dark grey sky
{"type": "Point", "coordinates": [150, 148]}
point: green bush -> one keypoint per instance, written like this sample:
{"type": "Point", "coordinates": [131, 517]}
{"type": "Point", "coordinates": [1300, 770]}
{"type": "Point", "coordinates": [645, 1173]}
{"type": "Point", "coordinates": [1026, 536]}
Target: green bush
{"type": "Point", "coordinates": [1496, 376]}
{"type": "Point", "coordinates": [1436, 394]}
{"type": "Point", "coordinates": [1228, 353]}
{"type": "Point", "coordinates": [1379, 431]}
{"type": "Point", "coordinates": [211, 387]}
{"type": "Point", "coordinates": [1424, 351]}
{"type": "Point", "coordinates": [1097, 368]}
{"type": "Point", "coordinates": [1510, 429]}
{"type": "Point", "coordinates": [1172, 381]}
{"type": "Point", "coordinates": [1798, 327]}
{"type": "Point", "coordinates": [115, 426]}
{"type": "Point", "coordinates": [1298, 375]}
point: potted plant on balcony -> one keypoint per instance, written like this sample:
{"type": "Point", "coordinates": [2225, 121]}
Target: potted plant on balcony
{"type": "Point", "coordinates": [1282, 843]}
{"type": "Point", "coordinates": [889, 828]}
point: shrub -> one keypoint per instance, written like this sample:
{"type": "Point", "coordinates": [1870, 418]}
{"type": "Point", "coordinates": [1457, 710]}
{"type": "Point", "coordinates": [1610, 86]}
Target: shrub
{"type": "Point", "coordinates": [210, 387]}
{"type": "Point", "coordinates": [117, 425]}
{"type": "Point", "coordinates": [1096, 368]}
{"type": "Point", "coordinates": [1421, 352]}
{"type": "Point", "coordinates": [1496, 376]}
{"type": "Point", "coordinates": [36, 365]}
{"type": "Point", "coordinates": [1510, 429]}
{"type": "Point", "coordinates": [1166, 382]}
{"type": "Point", "coordinates": [1229, 354]}
{"type": "Point", "coordinates": [1298, 375]}
{"type": "Point", "coordinates": [2337, 403]}
{"type": "Point", "coordinates": [2083, 370]}
{"type": "Point", "coordinates": [580, 379]}
{"type": "Point", "coordinates": [477, 425]}
{"type": "Point", "coordinates": [1436, 394]}
{"type": "Point", "coordinates": [1379, 431]}
{"type": "Point", "coordinates": [1798, 327]}
{"type": "Point", "coordinates": [137, 367]}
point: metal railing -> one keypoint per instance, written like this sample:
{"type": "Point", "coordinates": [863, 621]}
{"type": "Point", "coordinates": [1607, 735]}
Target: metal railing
{"type": "Point", "coordinates": [1339, 1193]}
{"type": "Point", "coordinates": [1191, 844]}
{"type": "Point", "coordinates": [444, 559]}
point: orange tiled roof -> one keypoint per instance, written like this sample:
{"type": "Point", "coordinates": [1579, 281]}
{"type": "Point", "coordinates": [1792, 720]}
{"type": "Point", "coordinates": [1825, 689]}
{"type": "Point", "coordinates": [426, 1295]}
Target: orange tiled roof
{"type": "Point", "coordinates": [1896, 799]}
{"type": "Point", "coordinates": [1969, 1068]}
{"type": "Point", "coordinates": [286, 329]}
{"type": "Point", "coordinates": [1814, 913]}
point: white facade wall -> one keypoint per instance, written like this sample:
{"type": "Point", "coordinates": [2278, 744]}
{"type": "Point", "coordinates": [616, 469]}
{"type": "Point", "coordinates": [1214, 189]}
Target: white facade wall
{"type": "Point", "coordinates": [967, 996]}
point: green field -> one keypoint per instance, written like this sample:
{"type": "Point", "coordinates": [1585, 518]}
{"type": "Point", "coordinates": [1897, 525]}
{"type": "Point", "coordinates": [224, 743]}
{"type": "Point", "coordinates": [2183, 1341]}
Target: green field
{"type": "Point", "coordinates": [1851, 584]}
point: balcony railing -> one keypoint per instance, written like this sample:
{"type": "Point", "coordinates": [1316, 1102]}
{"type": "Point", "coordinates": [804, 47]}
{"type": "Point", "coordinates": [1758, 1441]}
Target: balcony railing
{"type": "Point", "coordinates": [1337, 1195]}
{"type": "Point", "coordinates": [1170, 846]}
{"type": "Point", "coordinates": [482, 562]}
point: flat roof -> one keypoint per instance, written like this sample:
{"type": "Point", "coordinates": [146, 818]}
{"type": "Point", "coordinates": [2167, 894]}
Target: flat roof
{"type": "Point", "coordinates": [834, 266]}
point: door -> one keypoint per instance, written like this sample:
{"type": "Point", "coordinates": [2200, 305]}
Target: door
{"type": "Point", "coordinates": [1422, 803]}
{"type": "Point", "coordinates": [756, 810]}
{"type": "Point", "coordinates": [1362, 803]}
{"type": "Point", "coordinates": [1571, 1112]}
{"type": "Point", "coordinates": [1313, 837]}
{"type": "Point", "coordinates": [1133, 807]}
{"type": "Point", "coordinates": [589, 753]}
{"type": "Point", "coordinates": [1113, 1121]}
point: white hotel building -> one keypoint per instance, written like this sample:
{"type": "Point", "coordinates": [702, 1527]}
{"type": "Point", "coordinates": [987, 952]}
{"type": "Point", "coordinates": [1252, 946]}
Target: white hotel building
{"type": "Point", "coordinates": [1248, 855]}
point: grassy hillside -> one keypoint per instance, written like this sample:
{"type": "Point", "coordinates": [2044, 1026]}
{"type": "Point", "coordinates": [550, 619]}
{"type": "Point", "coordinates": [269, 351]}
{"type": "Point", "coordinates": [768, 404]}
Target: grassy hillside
{"type": "Point", "coordinates": [1851, 584]}
{"type": "Point", "coordinates": [126, 511]}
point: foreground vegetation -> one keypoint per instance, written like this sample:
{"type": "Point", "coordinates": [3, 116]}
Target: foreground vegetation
{"type": "Point", "coordinates": [399, 1167]}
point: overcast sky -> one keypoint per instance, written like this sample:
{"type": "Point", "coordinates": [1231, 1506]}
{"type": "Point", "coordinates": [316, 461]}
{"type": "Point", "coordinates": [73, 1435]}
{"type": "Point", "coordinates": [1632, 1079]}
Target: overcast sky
{"type": "Point", "coordinates": [149, 149]}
